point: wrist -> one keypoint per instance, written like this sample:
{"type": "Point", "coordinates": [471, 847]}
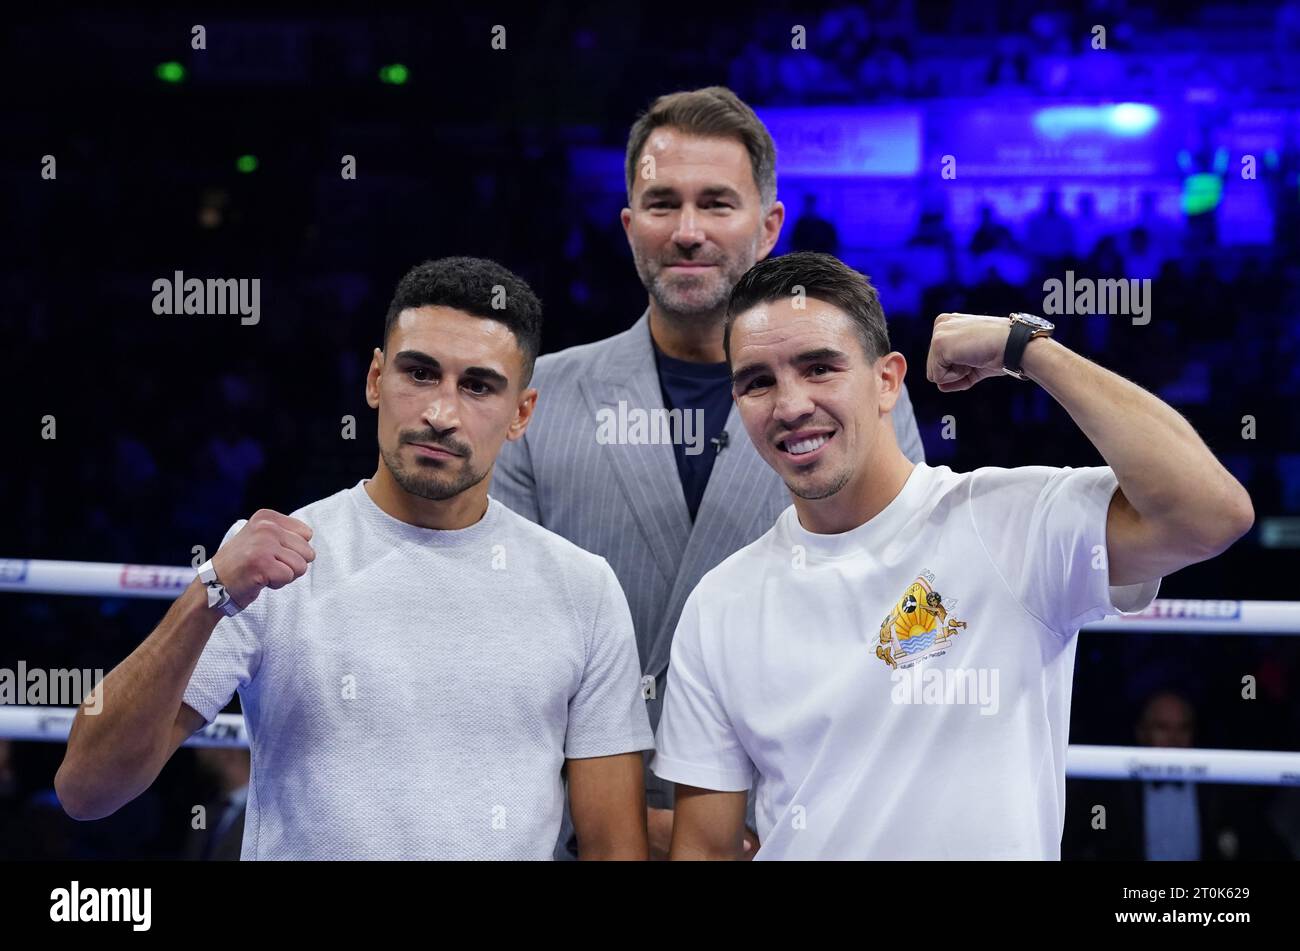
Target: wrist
{"type": "Point", "coordinates": [1040, 356]}
{"type": "Point", "coordinates": [218, 597]}
{"type": "Point", "coordinates": [195, 598]}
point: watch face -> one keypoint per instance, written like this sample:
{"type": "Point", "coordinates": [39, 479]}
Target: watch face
{"type": "Point", "coordinates": [1038, 323]}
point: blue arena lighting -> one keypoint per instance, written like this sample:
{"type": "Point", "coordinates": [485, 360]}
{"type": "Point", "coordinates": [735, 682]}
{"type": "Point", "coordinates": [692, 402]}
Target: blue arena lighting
{"type": "Point", "coordinates": [1125, 119]}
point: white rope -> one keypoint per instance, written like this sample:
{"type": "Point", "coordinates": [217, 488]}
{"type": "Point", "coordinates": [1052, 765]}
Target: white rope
{"type": "Point", "coordinates": [1256, 767]}
{"type": "Point", "coordinates": [93, 578]}
{"type": "Point", "coordinates": [1192, 616]}
{"type": "Point", "coordinates": [52, 725]}
{"type": "Point", "coordinates": [1174, 616]}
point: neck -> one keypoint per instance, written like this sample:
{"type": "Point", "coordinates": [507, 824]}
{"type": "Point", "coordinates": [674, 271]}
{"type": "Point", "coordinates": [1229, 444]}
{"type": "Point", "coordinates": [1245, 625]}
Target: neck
{"type": "Point", "coordinates": [459, 511]}
{"type": "Point", "coordinates": [864, 496]}
{"type": "Point", "coordinates": [696, 338]}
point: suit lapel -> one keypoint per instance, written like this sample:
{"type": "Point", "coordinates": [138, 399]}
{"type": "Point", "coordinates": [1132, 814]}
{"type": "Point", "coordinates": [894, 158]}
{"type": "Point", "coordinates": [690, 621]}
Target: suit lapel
{"type": "Point", "coordinates": [740, 503]}
{"type": "Point", "coordinates": [647, 473]}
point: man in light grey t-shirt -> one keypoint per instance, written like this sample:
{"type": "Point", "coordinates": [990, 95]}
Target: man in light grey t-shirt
{"type": "Point", "coordinates": [422, 689]}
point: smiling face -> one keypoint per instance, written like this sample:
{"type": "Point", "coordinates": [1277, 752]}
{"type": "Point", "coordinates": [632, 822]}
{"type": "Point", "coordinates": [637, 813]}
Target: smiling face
{"type": "Point", "coordinates": [814, 404]}
{"type": "Point", "coordinates": [448, 387]}
{"type": "Point", "coordinates": [698, 224]}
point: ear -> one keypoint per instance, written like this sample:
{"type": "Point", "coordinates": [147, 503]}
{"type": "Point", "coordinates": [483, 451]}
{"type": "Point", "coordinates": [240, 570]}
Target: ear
{"type": "Point", "coordinates": [772, 223]}
{"type": "Point", "coordinates": [523, 414]}
{"type": "Point", "coordinates": [891, 369]}
{"type": "Point", "coordinates": [372, 378]}
{"type": "Point", "coordinates": [625, 216]}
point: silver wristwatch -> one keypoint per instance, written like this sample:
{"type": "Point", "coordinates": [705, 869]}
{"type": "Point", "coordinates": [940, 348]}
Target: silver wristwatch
{"type": "Point", "coordinates": [218, 596]}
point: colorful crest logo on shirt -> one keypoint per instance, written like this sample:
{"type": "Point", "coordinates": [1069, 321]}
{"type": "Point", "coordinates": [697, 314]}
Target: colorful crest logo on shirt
{"type": "Point", "coordinates": [920, 624]}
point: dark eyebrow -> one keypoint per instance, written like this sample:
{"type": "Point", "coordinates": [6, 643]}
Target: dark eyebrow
{"type": "Point", "coordinates": [743, 374]}
{"type": "Point", "coordinates": [416, 356]}
{"type": "Point", "coordinates": [486, 374]}
{"type": "Point", "coordinates": [820, 355]}
{"type": "Point", "coordinates": [721, 191]}
{"type": "Point", "coordinates": [657, 192]}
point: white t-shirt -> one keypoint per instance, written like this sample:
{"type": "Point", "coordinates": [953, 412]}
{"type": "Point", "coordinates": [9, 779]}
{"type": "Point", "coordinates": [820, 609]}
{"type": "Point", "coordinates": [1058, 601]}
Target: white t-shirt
{"type": "Point", "coordinates": [416, 693]}
{"type": "Point", "coordinates": [901, 690]}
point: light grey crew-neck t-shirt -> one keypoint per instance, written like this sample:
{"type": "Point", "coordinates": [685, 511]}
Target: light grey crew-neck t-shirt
{"type": "Point", "coordinates": [416, 693]}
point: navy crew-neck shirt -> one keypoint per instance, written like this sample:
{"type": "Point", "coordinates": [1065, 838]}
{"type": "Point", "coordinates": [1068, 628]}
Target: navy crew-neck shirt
{"type": "Point", "coordinates": [696, 386]}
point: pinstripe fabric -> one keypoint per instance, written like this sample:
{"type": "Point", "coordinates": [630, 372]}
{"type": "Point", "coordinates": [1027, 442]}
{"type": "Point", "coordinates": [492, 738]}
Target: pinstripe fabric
{"type": "Point", "coordinates": [625, 502]}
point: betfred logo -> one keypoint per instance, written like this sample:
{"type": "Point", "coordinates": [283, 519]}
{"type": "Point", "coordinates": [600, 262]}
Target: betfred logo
{"type": "Point", "coordinates": [1191, 610]}
{"type": "Point", "coordinates": [154, 578]}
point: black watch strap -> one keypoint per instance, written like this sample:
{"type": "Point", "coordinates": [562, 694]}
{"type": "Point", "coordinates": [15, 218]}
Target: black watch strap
{"type": "Point", "coordinates": [1015, 351]}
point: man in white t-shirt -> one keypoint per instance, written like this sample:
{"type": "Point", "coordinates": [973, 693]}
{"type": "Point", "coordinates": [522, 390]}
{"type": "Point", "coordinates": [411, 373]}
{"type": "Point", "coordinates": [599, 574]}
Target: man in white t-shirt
{"type": "Point", "coordinates": [891, 663]}
{"type": "Point", "coordinates": [418, 665]}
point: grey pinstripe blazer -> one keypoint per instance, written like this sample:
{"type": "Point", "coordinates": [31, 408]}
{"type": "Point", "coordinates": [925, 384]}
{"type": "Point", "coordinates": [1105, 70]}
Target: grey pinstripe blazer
{"type": "Point", "coordinates": [625, 502]}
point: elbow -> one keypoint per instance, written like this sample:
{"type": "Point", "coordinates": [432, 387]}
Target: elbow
{"type": "Point", "coordinates": [66, 793]}
{"type": "Point", "coordinates": [1245, 515]}
{"type": "Point", "coordinates": [77, 801]}
{"type": "Point", "coordinates": [1238, 516]}
{"type": "Point", "coordinates": [1230, 521]}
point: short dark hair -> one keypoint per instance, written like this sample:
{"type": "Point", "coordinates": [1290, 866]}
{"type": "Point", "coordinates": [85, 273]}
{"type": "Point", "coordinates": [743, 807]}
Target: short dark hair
{"type": "Point", "coordinates": [712, 111]}
{"type": "Point", "coordinates": [474, 285]}
{"type": "Point", "coordinates": [823, 277]}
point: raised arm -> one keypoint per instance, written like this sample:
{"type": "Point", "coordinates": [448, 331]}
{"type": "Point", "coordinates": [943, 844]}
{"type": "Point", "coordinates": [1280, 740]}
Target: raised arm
{"type": "Point", "coordinates": [114, 754]}
{"type": "Point", "coordinates": [1176, 504]}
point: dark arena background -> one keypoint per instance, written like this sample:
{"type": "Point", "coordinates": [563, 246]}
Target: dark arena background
{"type": "Point", "coordinates": [963, 155]}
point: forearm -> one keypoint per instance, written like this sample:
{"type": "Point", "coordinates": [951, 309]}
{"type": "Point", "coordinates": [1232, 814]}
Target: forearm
{"type": "Point", "coordinates": [114, 754]}
{"type": "Point", "coordinates": [607, 803]}
{"type": "Point", "coordinates": [1165, 470]}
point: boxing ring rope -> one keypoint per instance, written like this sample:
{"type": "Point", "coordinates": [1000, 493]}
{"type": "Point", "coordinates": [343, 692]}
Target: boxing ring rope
{"type": "Point", "coordinates": [52, 725]}
{"type": "Point", "coordinates": [1265, 768]}
{"type": "Point", "coordinates": [104, 579]}
{"type": "Point", "coordinates": [1166, 616]}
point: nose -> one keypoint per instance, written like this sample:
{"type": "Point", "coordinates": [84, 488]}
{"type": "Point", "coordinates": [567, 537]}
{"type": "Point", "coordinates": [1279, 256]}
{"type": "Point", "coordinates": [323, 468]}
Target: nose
{"type": "Point", "coordinates": [688, 233]}
{"type": "Point", "coordinates": [442, 412]}
{"type": "Point", "coordinates": [793, 405]}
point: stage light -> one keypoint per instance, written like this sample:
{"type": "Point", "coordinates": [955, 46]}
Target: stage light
{"type": "Point", "coordinates": [1202, 192]}
{"type": "Point", "coordinates": [170, 72]}
{"type": "Point", "coordinates": [1123, 120]}
{"type": "Point", "coordinates": [1131, 118]}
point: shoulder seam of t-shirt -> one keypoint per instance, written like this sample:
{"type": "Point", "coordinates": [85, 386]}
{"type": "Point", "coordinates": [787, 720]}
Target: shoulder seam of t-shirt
{"type": "Point", "coordinates": [997, 569]}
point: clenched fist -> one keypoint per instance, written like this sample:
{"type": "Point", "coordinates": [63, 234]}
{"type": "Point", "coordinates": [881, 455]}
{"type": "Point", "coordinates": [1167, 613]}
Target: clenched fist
{"type": "Point", "coordinates": [268, 552]}
{"type": "Point", "coordinates": [964, 349]}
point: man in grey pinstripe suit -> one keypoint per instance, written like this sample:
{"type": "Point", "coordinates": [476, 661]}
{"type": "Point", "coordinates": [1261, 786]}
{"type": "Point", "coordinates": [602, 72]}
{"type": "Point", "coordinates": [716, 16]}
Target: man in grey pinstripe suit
{"type": "Point", "coordinates": [635, 450]}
